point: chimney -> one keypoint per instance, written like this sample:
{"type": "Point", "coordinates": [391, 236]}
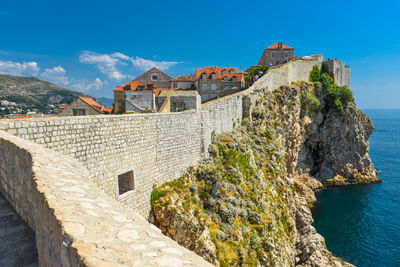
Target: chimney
{"type": "Point", "coordinates": [279, 46]}
{"type": "Point", "coordinates": [150, 86]}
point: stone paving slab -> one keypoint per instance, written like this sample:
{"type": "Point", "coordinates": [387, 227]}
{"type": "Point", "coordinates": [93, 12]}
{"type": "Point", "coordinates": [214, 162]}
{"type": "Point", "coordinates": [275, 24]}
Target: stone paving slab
{"type": "Point", "coordinates": [17, 240]}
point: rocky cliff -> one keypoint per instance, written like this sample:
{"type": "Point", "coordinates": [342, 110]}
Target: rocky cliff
{"type": "Point", "coordinates": [248, 204]}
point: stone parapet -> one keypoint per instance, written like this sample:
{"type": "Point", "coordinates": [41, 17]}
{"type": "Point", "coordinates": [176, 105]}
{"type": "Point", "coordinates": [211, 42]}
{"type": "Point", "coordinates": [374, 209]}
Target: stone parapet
{"type": "Point", "coordinates": [76, 223]}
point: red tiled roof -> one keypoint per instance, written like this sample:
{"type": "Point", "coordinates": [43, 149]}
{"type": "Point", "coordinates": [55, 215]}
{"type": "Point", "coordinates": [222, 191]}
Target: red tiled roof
{"type": "Point", "coordinates": [315, 55]}
{"type": "Point", "coordinates": [157, 91]}
{"type": "Point", "coordinates": [219, 73]}
{"type": "Point", "coordinates": [134, 85]}
{"type": "Point", "coordinates": [276, 46]}
{"type": "Point", "coordinates": [24, 117]}
{"type": "Point", "coordinates": [91, 102]}
{"type": "Point", "coordinates": [107, 110]}
{"type": "Point", "coordinates": [62, 107]}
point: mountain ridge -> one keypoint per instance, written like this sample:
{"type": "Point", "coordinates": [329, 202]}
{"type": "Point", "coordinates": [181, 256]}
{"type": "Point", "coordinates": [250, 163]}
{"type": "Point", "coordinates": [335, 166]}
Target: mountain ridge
{"type": "Point", "coordinates": [35, 93]}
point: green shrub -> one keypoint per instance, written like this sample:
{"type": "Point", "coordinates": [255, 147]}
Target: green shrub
{"type": "Point", "coordinates": [315, 74]}
{"type": "Point", "coordinates": [326, 80]}
{"type": "Point", "coordinates": [309, 103]}
{"type": "Point", "coordinates": [346, 95]}
{"type": "Point", "coordinates": [156, 194]}
{"type": "Point", "coordinates": [324, 69]}
{"type": "Point", "coordinates": [338, 97]}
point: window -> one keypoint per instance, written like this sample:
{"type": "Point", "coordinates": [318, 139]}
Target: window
{"type": "Point", "coordinates": [213, 76]}
{"type": "Point", "coordinates": [204, 86]}
{"type": "Point", "coordinates": [234, 79]}
{"type": "Point", "coordinates": [78, 112]}
{"type": "Point", "coordinates": [204, 76]}
{"type": "Point", "coordinates": [126, 182]}
{"type": "Point", "coordinates": [213, 86]}
{"type": "Point", "coordinates": [225, 78]}
{"type": "Point", "coordinates": [223, 71]}
{"type": "Point", "coordinates": [273, 54]}
{"type": "Point", "coordinates": [286, 54]}
{"type": "Point", "coordinates": [178, 106]}
{"type": "Point", "coordinates": [154, 77]}
{"type": "Point", "coordinates": [231, 71]}
{"type": "Point", "coordinates": [127, 87]}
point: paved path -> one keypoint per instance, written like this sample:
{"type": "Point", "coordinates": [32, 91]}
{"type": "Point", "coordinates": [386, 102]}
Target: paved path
{"type": "Point", "coordinates": [17, 240]}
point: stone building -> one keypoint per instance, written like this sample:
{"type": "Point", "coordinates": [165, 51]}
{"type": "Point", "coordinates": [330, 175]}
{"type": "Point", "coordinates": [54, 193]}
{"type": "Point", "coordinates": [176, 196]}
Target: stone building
{"type": "Point", "coordinates": [83, 106]}
{"type": "Point", "coordinates": [175, 101]}
{"type": "Point", "coordinates": [214, 82]}
{"type": "Point", "coordinates": [156, 77]}
{"type": "Point", "coordinates": [120, 95]}
{"type": "Point", "coordinates": [140, 101]}
{"type": "Point", "coordinates": [184, 81]}
{"type": "Point", "coordinates": [276, 54]}
{"type": "Point", "coordinates": [339, 71]}
{"type": "Point", "coordinates": [135, 96]}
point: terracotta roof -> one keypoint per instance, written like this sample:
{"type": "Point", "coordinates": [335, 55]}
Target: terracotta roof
{"type": "Point", "coordinates": [91, 102]}
{"type": "Point", "coordinates": [315, 55]}
{"type": "Point", "coordinates": [24, 117]}
{"type": "Point", "coordinates": [276, 46]}
{"type": "Point", "coordinates": [62, 107]}
{"type": "Point", "coordinates": [133, 84]}
{"type": "Point", "coordinates": [184, 78]}
{"type": "Point", "coordinates": [107, 110]}
{"type": "Point", "coordinates": [219, 73]}
{"type": "Point", "coordinates": [157, 91]}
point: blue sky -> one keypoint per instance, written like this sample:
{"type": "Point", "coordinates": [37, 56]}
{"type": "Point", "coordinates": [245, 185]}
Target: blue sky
{"type": "Point", "coordinates": [93, 46]}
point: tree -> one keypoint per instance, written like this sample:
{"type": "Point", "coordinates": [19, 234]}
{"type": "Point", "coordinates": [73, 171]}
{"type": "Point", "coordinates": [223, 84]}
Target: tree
{"type": "Point", "coordinates": [315, 74]}
{"type": "Point", "coordinates": [324, 69]}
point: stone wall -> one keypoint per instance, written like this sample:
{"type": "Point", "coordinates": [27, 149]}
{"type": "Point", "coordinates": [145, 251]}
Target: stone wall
{"type": "Point", "coordinates": [339, 72]}
{"type": "Point", "coordinates": [75, 223]}
{"type": "Point", "coordinates": [156, 147]}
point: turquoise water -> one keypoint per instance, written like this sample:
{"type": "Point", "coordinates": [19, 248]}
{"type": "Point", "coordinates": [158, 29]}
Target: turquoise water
{"type": "Point", "coordinates": [361, 223]}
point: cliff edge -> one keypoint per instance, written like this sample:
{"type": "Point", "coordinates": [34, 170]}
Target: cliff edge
{"type": "Point", "coordinates": [249, 203]}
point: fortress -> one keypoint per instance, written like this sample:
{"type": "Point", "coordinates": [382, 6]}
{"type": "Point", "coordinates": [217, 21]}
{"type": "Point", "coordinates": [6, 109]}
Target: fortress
{"type": "Point", "coordinates": [71, 178]}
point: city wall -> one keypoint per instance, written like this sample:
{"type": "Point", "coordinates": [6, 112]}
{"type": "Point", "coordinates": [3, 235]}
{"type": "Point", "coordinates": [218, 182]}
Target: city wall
{"type": "Point", "coordinates": [156, 147]}
{"type": "Point", "coordinates": [76, 223]}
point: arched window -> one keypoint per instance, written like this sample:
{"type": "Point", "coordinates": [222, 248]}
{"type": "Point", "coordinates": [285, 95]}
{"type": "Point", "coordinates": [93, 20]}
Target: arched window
{"type": "Point", "coordinates": [231, 71]}
{"type": "Point", "coordinates": [213, 76]}
{"type": "Point", "coordinates": [204, 76]}
{"type": "Point", "coordinates": [223, 71]}
{"type": "Point", "coordinates": [225, 78]}
{"type": "Point", "coordinates": [234, 79]}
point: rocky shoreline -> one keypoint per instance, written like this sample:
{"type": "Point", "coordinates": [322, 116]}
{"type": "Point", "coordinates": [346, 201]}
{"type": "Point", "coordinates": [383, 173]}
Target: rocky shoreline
{"type": "Point", "coordinates": [249, 203]}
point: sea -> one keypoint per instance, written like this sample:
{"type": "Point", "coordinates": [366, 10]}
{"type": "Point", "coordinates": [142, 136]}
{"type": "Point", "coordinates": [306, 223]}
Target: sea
{"type": "Point", "coordinates": [361, 223]}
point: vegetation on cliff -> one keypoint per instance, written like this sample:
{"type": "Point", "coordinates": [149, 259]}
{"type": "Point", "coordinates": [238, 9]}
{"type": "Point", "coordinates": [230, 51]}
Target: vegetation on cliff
{"type": "Point", "coordinates": [240, 194]}
{"type": "Point", "coordinates": [248, 204]}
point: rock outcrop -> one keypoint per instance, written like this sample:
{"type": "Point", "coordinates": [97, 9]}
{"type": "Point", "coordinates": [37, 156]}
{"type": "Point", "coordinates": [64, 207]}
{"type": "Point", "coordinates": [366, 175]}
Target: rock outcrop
{"type": "Point", "coordinates": [249, 203]}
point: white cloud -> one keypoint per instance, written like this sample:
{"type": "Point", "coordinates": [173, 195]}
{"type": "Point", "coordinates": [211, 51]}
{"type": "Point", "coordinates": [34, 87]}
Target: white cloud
{"type": "Point", "coordinates": [56, 75]}
{"type": "Point", "coordinates": [19, 69]}
{"type": "Point", "coordinates": [85, 85]}
{"type": "Point", "coordinates": [106, 63]}
{"type": "Point", "coordinates": [146, 64]}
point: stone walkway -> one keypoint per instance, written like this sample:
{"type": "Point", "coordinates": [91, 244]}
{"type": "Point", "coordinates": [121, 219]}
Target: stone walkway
{"type": "Point", "coordinates": [17, 240]}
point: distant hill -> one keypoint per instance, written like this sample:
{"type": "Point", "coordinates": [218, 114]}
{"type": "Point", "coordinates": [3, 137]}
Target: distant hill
{"type": "Point", "coordinates": [32, 90]}
{"type": "Point", "coordinates": [107, 102]}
